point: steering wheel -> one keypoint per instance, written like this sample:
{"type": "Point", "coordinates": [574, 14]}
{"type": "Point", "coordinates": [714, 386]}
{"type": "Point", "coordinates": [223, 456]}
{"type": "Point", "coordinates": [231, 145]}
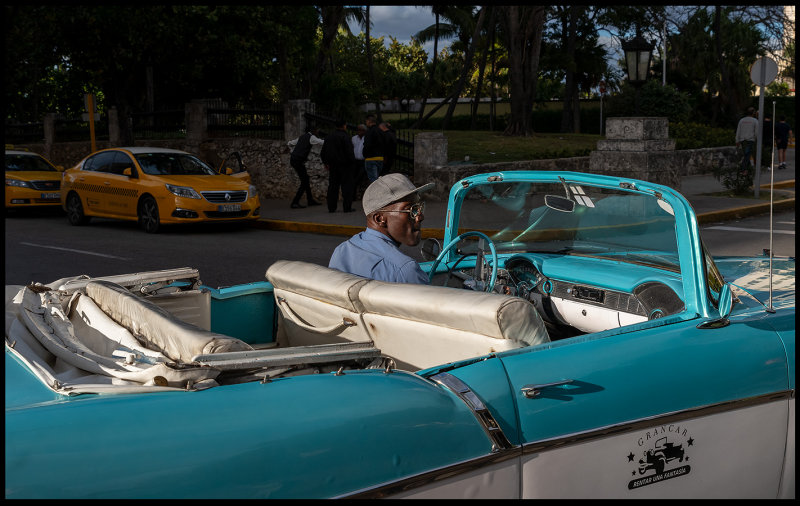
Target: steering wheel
{"type": "Point", "coordinates": [492, 278]}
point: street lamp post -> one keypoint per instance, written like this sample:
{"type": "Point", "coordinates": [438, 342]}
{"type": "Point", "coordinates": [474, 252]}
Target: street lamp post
{"type": "Point", "coordinates": [638, 53]}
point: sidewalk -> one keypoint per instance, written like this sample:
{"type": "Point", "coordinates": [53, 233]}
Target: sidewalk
{"type": "Point", "coordinates": [277, 215]}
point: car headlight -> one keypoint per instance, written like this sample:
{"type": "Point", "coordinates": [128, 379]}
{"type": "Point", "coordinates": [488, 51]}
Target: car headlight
{"type": "Point", "coordinates": [252, 192]}
{"type": "Point", "coordinates": [17, 182]}
{"type": "Point", "coordinates": [183, 191]}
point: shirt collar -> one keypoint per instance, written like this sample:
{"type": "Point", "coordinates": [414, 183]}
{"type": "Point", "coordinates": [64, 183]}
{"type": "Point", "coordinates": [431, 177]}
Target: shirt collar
{"type": "Point", "coordinates": [372, 233]}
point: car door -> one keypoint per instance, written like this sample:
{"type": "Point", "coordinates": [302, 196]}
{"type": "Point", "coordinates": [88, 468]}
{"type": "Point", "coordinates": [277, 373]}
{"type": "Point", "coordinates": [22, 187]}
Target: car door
{"type": "Point", "coordinates": [669, 411]}
{"type": "Point", "coordinates": [91, 182]}
{"type": "Point", "coordinates": [234, 166]}
{"type": "Point", "coordinates": [123, 186]}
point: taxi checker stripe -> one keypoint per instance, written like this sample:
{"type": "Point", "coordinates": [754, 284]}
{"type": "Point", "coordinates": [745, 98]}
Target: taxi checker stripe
{"type": "Point", "coordinates": [122, 192]}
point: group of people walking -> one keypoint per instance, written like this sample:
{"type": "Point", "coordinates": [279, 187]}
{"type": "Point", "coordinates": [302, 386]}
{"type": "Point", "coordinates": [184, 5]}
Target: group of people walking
{"type": "Point", "coordinates": [369, 153]}
{"type": "Point", "coordinates": [747, 136]}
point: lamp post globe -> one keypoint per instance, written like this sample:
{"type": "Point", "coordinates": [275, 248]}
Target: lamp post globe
{"type": "Point", "coordinates": [638, 54]}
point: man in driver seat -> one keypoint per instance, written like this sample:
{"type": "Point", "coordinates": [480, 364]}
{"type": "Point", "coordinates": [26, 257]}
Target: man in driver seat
{"type": "Point", "coordinates": [394, 216]}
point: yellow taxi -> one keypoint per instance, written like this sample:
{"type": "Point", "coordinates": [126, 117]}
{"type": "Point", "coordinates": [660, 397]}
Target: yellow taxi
{"type": "Point", "coordinates": [31, 180]}
{"type": "Point", "coordinates": [154, 186]}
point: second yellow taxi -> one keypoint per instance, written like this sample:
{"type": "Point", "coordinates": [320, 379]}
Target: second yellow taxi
{"type": "Point", "coordinates": [154, 186]}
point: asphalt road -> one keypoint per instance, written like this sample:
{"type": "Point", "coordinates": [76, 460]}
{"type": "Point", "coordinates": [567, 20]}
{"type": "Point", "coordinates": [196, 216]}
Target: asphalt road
{"type": "Point", "coordinates": [42, 246]}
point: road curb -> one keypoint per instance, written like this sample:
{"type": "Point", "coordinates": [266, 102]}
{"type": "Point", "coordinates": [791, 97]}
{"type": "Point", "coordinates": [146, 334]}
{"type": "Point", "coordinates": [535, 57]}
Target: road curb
{"type": "Point", "coordinates": [744, 211]}
{"type": "Point", "coordinates": [349, 230]}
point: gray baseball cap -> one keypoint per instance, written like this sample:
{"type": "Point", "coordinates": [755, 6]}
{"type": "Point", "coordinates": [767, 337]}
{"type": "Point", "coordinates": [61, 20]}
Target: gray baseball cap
{"type": "Point", "coordinates": [387, 189]}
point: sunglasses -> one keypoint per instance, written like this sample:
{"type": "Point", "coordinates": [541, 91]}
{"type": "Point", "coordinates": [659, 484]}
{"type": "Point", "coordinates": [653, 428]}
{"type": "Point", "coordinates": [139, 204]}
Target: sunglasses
{"type": "Point", "coordinates": [413, 212]}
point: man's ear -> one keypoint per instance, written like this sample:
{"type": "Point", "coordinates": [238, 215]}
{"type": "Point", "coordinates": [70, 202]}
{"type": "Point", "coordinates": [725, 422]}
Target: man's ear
{"type": "Point", "coordinates": [379, 219]}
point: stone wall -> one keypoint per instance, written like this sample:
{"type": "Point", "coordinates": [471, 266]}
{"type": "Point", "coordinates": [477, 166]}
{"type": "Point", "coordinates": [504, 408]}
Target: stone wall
{"type": "Point", "coordinates": [689, 162]}
{"type": "Point", "coordinates": [267, 162]}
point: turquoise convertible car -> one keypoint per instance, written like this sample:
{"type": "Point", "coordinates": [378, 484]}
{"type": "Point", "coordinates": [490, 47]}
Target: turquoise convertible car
{"type": "Point", "coordinates": [576, 340]}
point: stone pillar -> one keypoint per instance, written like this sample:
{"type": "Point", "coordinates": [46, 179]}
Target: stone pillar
{"type": "Point", "coordinates": [196, 124]}
{"type": "Point", "coordinates": [294, 121]}
{"type": "Point", "coordinates": [114, 135]}
{"type": "Point", "coordinates": [430, 155]}
{"type": "Point", "coordinates": [638, 148]}
{"type": "Point", "coordinates": [49, 127]}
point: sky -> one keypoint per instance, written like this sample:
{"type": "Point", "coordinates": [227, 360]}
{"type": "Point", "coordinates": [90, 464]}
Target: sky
{"type": "Point", "coordinates": [400, 22]}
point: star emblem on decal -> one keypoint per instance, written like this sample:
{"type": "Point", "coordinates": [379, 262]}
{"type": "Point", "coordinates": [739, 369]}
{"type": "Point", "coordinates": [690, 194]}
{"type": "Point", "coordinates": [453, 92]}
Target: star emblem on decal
{"type": "Point", "coordinates": [630, 457]}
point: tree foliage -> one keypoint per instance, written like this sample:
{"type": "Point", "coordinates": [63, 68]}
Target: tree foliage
{"type": "Point", "coordinates": [143, 58]}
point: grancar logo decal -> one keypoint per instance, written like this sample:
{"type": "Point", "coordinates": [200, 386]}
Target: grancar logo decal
{"type": "Point", "coordinates": [665, 451]}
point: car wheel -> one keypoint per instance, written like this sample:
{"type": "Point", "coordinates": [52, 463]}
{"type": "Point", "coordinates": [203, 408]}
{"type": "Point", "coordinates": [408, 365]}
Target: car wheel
{"type": "Point", "coordinates": [148, 215]}
{"type": "Point", "coordinates": [75, 210]}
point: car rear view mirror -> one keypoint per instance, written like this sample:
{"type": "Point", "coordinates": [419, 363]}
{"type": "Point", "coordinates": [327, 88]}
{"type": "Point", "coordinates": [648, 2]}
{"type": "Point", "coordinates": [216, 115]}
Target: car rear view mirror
{"type": "Point", "coordinates": [127, 171]}
{"type": "Point", "coordinates": [559, 203]}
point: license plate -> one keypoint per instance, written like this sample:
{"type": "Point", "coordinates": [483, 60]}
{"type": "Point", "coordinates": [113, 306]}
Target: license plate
{"type": "Point", "coordinates": [51, 196]}
{"type": "Point", "coordinates": [229, 208]}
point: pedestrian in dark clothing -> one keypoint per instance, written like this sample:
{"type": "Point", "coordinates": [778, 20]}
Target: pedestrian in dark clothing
{"type": "Point", "coordinates": [766, 147]}
{"type": "Point", "coordinates": [373, 149]}
{"type": "Point", "coordinates": [298, 158]}
{"type": "Point", "coordinates": [337, 155]}
{"type": "Point", "coordinates": [389, 147]}
{"type": "Point", "coordinates": [783, 132]}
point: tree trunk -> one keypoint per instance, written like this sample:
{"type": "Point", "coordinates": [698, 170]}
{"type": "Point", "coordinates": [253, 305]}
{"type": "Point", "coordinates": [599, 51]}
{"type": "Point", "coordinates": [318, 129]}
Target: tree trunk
{"type": "Point", "coordinates": [372, 69]}
{"type": "Point", "coordinates": [524, 26]}
{"type": "Point", "coordinates": [332, 17]}
{"type": "Point", "coordinates": [467, 66]}
{"type": "Point", "coordinates": [420, 121]}
{"type": "Point", "coordinates": [482, 66]}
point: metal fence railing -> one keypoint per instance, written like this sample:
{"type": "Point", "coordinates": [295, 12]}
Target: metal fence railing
{"type": "Point", "coordinates": [261, 122]}
{"type": "Point", "coordinates": [23, 133]}
{"type": "Point", "coordinates": [69, 130]}
{"type": "Point", "coordinates": [168, 124]}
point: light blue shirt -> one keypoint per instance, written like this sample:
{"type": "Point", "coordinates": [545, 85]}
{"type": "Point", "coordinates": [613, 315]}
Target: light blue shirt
{"type": "Point", "coordinates": [373, 255]}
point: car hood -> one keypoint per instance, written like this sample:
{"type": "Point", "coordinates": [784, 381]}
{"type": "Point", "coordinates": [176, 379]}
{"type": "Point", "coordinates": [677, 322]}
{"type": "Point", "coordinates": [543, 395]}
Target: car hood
{"type": "Point", "coordinates": [36, 175]}
{"type": "Point", "coordinates": [752, 274]}
{"type": "Point", "coordinates": [201, 183]}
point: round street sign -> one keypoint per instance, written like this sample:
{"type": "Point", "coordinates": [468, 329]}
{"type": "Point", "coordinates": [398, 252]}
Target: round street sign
{"type": "Point", "coordinates": [602, 87]}
{"type": "Point", "coordinates": [763, 71]}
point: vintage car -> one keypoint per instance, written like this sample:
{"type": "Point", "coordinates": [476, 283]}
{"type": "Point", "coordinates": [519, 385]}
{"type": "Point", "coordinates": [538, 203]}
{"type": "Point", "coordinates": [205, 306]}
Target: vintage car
{"type": "Point", "coordinates": [156, 186]}
{"type": "Point", "coordinates": [31, 180]}
{"type": "Point", "coordinates": [573, 323]}
{"type": "Point", "coordinates": [658, 457]}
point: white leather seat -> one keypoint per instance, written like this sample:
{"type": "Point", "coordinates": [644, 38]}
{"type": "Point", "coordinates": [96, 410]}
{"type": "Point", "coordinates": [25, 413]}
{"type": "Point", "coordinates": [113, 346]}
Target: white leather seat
{"type": "Point", "coordinates": [419, 326]}
{"type": "Point", "coordinates": [318, 305]}
{"type": "Point", "coordinates": [423, 326]}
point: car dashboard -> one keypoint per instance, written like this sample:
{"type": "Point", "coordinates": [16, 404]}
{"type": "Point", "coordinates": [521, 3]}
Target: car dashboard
{"type": "Point", "coordinates": [578, 294]}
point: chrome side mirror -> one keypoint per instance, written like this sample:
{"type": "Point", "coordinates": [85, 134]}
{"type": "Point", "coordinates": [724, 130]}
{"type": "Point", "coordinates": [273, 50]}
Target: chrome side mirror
{"type": "Point", "coordinates": [725, 305]}
{"type": "Point", "coordinates": [430, 249]}
{"type": "Point", "coordinates": [725, 301]}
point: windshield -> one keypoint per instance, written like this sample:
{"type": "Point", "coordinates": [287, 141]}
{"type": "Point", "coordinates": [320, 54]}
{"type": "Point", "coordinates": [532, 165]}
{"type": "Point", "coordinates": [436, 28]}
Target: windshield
{"type": "Point", "coordinates": [610, 223]}
{"type": "Point", "coordinates": [173, 164]}
{"type": "Point", "coordinates": [19, 163]}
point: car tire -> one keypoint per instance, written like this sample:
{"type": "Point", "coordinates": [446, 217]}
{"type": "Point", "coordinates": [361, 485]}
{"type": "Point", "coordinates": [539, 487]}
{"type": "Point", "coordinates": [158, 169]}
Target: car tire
{"type": "Point", "coordinates": [148, 215]}
{"type": "Point", "coordinates": [75, 211]}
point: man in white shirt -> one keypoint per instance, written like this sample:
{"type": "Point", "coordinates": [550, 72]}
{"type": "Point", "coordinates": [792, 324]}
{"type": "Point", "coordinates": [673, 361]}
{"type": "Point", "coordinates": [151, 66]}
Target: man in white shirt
{"type": "Point", "coordinates": [358, 151]}
{"type": "Point", "coordinates": [746, 135]}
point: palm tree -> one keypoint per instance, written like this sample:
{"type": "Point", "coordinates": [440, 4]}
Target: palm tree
{"type": "Point", "coordinates": [435, 32]}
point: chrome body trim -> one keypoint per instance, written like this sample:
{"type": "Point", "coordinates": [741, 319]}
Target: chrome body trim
{"type": "Point", "coordinates": [442, 473]}
{"type": "Point", "coordinates": [479, 409]}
